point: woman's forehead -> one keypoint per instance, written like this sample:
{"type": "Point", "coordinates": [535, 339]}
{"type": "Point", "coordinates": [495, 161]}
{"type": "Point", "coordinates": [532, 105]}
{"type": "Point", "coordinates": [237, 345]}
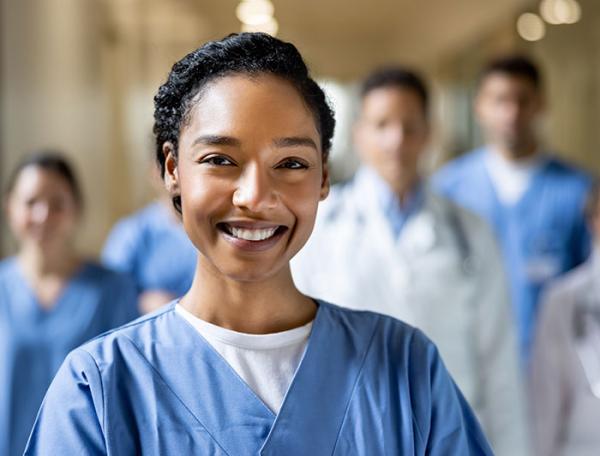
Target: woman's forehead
{"type": "Point", "coordinates": [261, 102]}
{"type": "Point", "coordinates": [32, 177]}
{"type": "Point", "coordinates": [242, 88]}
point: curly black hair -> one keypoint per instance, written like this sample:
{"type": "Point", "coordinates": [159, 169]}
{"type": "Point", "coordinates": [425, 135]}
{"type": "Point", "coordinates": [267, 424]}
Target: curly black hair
{"type": "Point", "coordinates": [244, 53]}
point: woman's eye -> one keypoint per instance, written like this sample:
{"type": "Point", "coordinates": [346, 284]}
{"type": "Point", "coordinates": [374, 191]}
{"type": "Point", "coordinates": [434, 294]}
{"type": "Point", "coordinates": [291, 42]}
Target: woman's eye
{"type": "Point", "coordinates": [293, 164]}
{"type": "Point", "coordinates": [217, 160]}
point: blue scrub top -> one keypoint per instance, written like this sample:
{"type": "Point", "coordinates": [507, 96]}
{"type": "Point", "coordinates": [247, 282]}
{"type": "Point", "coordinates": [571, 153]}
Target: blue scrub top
{"type": "Point", "coordinates": [542, 236]}
{"type": "Point", "coordinates": [154, 249]}
{"type": "Point", "coordinates": [367, 385]}
{"type": "Point", "coordinates": [34, 341]}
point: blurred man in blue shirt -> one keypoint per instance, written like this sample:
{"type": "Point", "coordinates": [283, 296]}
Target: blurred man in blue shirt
{"type": "Point", "coordinates": [532, 199]}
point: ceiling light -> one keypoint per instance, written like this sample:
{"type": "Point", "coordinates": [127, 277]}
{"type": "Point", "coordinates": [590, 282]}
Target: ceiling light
{"type": "Point", "coordinates": [255, 12]}
{"type": "Point", "coordinates": [531, 27]}
{"type": "Point", "coordinates": [560, 11]}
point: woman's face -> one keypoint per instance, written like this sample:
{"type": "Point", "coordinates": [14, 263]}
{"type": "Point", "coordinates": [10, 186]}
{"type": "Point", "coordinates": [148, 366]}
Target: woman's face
{"type": "Point", "coordinates": [250, 174]}
{"type": "Point", "coordinates": [41, 208]}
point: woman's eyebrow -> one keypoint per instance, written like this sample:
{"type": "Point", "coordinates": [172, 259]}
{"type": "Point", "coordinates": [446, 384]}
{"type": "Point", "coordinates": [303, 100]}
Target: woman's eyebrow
{"type": "Point", "coordinates": [294, 141]}
{"type": "Point", "coordinates": [216, 140]}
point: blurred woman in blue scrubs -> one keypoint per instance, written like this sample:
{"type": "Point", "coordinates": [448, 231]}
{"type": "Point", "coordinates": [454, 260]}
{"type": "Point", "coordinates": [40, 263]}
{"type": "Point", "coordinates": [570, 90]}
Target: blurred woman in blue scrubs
{"type": "Point", "coordinates": [152, 247]}
{"type": "Point", "coordinates": [51, 299]}
{"type": "Point", "coordinates": [244, 363]}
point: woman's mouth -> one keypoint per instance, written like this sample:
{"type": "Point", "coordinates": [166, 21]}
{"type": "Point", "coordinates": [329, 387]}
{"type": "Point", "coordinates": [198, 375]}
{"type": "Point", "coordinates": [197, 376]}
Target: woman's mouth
{"type": "Point", "coordinates": [249, 237]}
{"type": "Point", "coordinates": [253, 235]}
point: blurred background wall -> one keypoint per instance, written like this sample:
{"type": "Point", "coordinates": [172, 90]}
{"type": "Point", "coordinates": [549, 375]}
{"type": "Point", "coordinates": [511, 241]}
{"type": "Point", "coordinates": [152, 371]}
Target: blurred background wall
{"type": "Point", "coordinates": [80, 75]}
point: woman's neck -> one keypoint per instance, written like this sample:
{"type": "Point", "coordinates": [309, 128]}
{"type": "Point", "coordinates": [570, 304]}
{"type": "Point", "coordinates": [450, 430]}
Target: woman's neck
{"type": "Point", "coordinates": [58, 261]}
{"type": "Point", "coordinates": [48, 270]}
{"type": "Point", "coordinates": [264, 307]}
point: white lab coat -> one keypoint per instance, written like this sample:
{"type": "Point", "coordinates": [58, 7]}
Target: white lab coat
{"type": "Point", "coordinates": [444, 275]}
{"type": "Point", "coordinates": [566, 363]}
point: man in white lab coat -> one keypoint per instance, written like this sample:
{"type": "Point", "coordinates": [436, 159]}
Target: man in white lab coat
{"type": "Point", "coordinates": [384, 242]}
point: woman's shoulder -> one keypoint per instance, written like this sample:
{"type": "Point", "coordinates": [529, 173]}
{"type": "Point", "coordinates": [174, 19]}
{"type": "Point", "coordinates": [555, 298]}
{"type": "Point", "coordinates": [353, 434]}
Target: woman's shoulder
{"type": "Point", "coordinates": [383, 330]}
{"type": "Point", "coordinates": [7, 266]}
{"type": "Point", "coordinates": [9, 276]}
{"type": "Point", "coordinates": [138, 332]}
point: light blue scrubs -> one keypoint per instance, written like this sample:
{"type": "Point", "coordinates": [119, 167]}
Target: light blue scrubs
{"type": "Point", "coordinates": [154, 249]}
{"type": "Point", "coordinates": [34, 342]}
{"type": "Point", "coordinates": [542, 236]}
{"type": "Point", "coordinates": [367, 385]}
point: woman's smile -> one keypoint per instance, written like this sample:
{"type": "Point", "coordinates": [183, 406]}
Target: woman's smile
{"type": "Point", "coordinates": [252, 236]}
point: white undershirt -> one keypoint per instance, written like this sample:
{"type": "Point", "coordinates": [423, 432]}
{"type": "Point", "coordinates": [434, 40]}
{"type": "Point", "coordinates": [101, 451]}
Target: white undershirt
{"type": "Point", "coordinates": [511, 179]}
{"type": "Point", "coordinates": [266, 362]}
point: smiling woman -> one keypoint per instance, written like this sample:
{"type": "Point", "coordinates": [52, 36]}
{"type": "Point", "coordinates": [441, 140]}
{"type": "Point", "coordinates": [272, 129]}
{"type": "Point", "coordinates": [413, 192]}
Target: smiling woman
{"type": "Point", "coordinates": [244, 363]}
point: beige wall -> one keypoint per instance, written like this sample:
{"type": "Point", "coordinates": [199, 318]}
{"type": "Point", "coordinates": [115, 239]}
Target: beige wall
{"type": "Point", "coordinates": [54, 92]}
{"type": "Point", "coordinates": [571, 57]}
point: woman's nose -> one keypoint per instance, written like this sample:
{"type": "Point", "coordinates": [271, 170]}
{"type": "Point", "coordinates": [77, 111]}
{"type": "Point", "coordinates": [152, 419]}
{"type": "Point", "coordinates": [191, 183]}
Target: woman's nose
{"type": "Point", "coordinates": [41, 212]}
{"type": "Point", "coordinates": [254, 190]}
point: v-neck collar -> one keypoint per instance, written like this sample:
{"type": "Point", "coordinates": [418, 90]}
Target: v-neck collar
{"type": "Point", "coordinates": [528, 194]}
{"type": "Point", "coordinates": [313, 408]}
{"type": "Point", "coordinates": [33, 299]}
{"type": "Point", "coordinates": [316, 402]}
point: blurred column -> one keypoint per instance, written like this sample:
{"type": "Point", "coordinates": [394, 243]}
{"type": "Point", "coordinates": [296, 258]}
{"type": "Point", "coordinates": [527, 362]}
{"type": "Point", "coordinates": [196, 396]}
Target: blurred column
{"type": "Point", "coordinates": [571, 56]}
{"type": "Point", "coordinates": [146, 37]}
{"type": "Point", "coordinates": [54, 94]}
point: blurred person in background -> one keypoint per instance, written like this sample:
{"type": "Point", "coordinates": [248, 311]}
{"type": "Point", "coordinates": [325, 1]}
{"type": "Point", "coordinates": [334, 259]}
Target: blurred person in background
{"type": "Point", "coordinates": [51, 299]}
{"type": "Point", "coordinates": [532, 199]}
{"type": "Point", "coordinates": [151, 246]}
{"type": "Point", "coordinates": [384, 242]}
{"type": "Point", "coordinates": [565, 367]}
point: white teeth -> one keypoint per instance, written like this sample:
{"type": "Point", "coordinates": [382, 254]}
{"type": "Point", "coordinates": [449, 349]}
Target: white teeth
{"type": "Point", "coordinates": [252, 235]}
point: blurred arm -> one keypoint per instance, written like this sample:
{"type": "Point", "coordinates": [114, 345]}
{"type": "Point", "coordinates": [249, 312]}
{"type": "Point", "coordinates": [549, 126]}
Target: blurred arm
{"type": "Point", "coordinates": [501, 385]}
{"type": "Point", "coordinates": [548, 383]}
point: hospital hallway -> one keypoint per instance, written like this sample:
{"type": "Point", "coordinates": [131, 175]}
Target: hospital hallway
{"type": "Point", "coordinates": [462, 181]}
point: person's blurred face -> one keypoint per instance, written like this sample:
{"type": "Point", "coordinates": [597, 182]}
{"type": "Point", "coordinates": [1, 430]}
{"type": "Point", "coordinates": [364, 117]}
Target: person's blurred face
{"type": "Point", "coordinates": [392, 133]}
{"type": "Point", "coordinates": [41, 208]}
{"type": "Point", "coordinates": [250, 174]}
{"type": "Point", "coordinates": [507, 108]}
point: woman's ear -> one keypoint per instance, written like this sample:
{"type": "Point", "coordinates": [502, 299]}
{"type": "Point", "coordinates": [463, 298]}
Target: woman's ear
{"type": "Point", "coordinates": [171, 174]}
{"type": "Point", "coordinates": [325, 184]}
